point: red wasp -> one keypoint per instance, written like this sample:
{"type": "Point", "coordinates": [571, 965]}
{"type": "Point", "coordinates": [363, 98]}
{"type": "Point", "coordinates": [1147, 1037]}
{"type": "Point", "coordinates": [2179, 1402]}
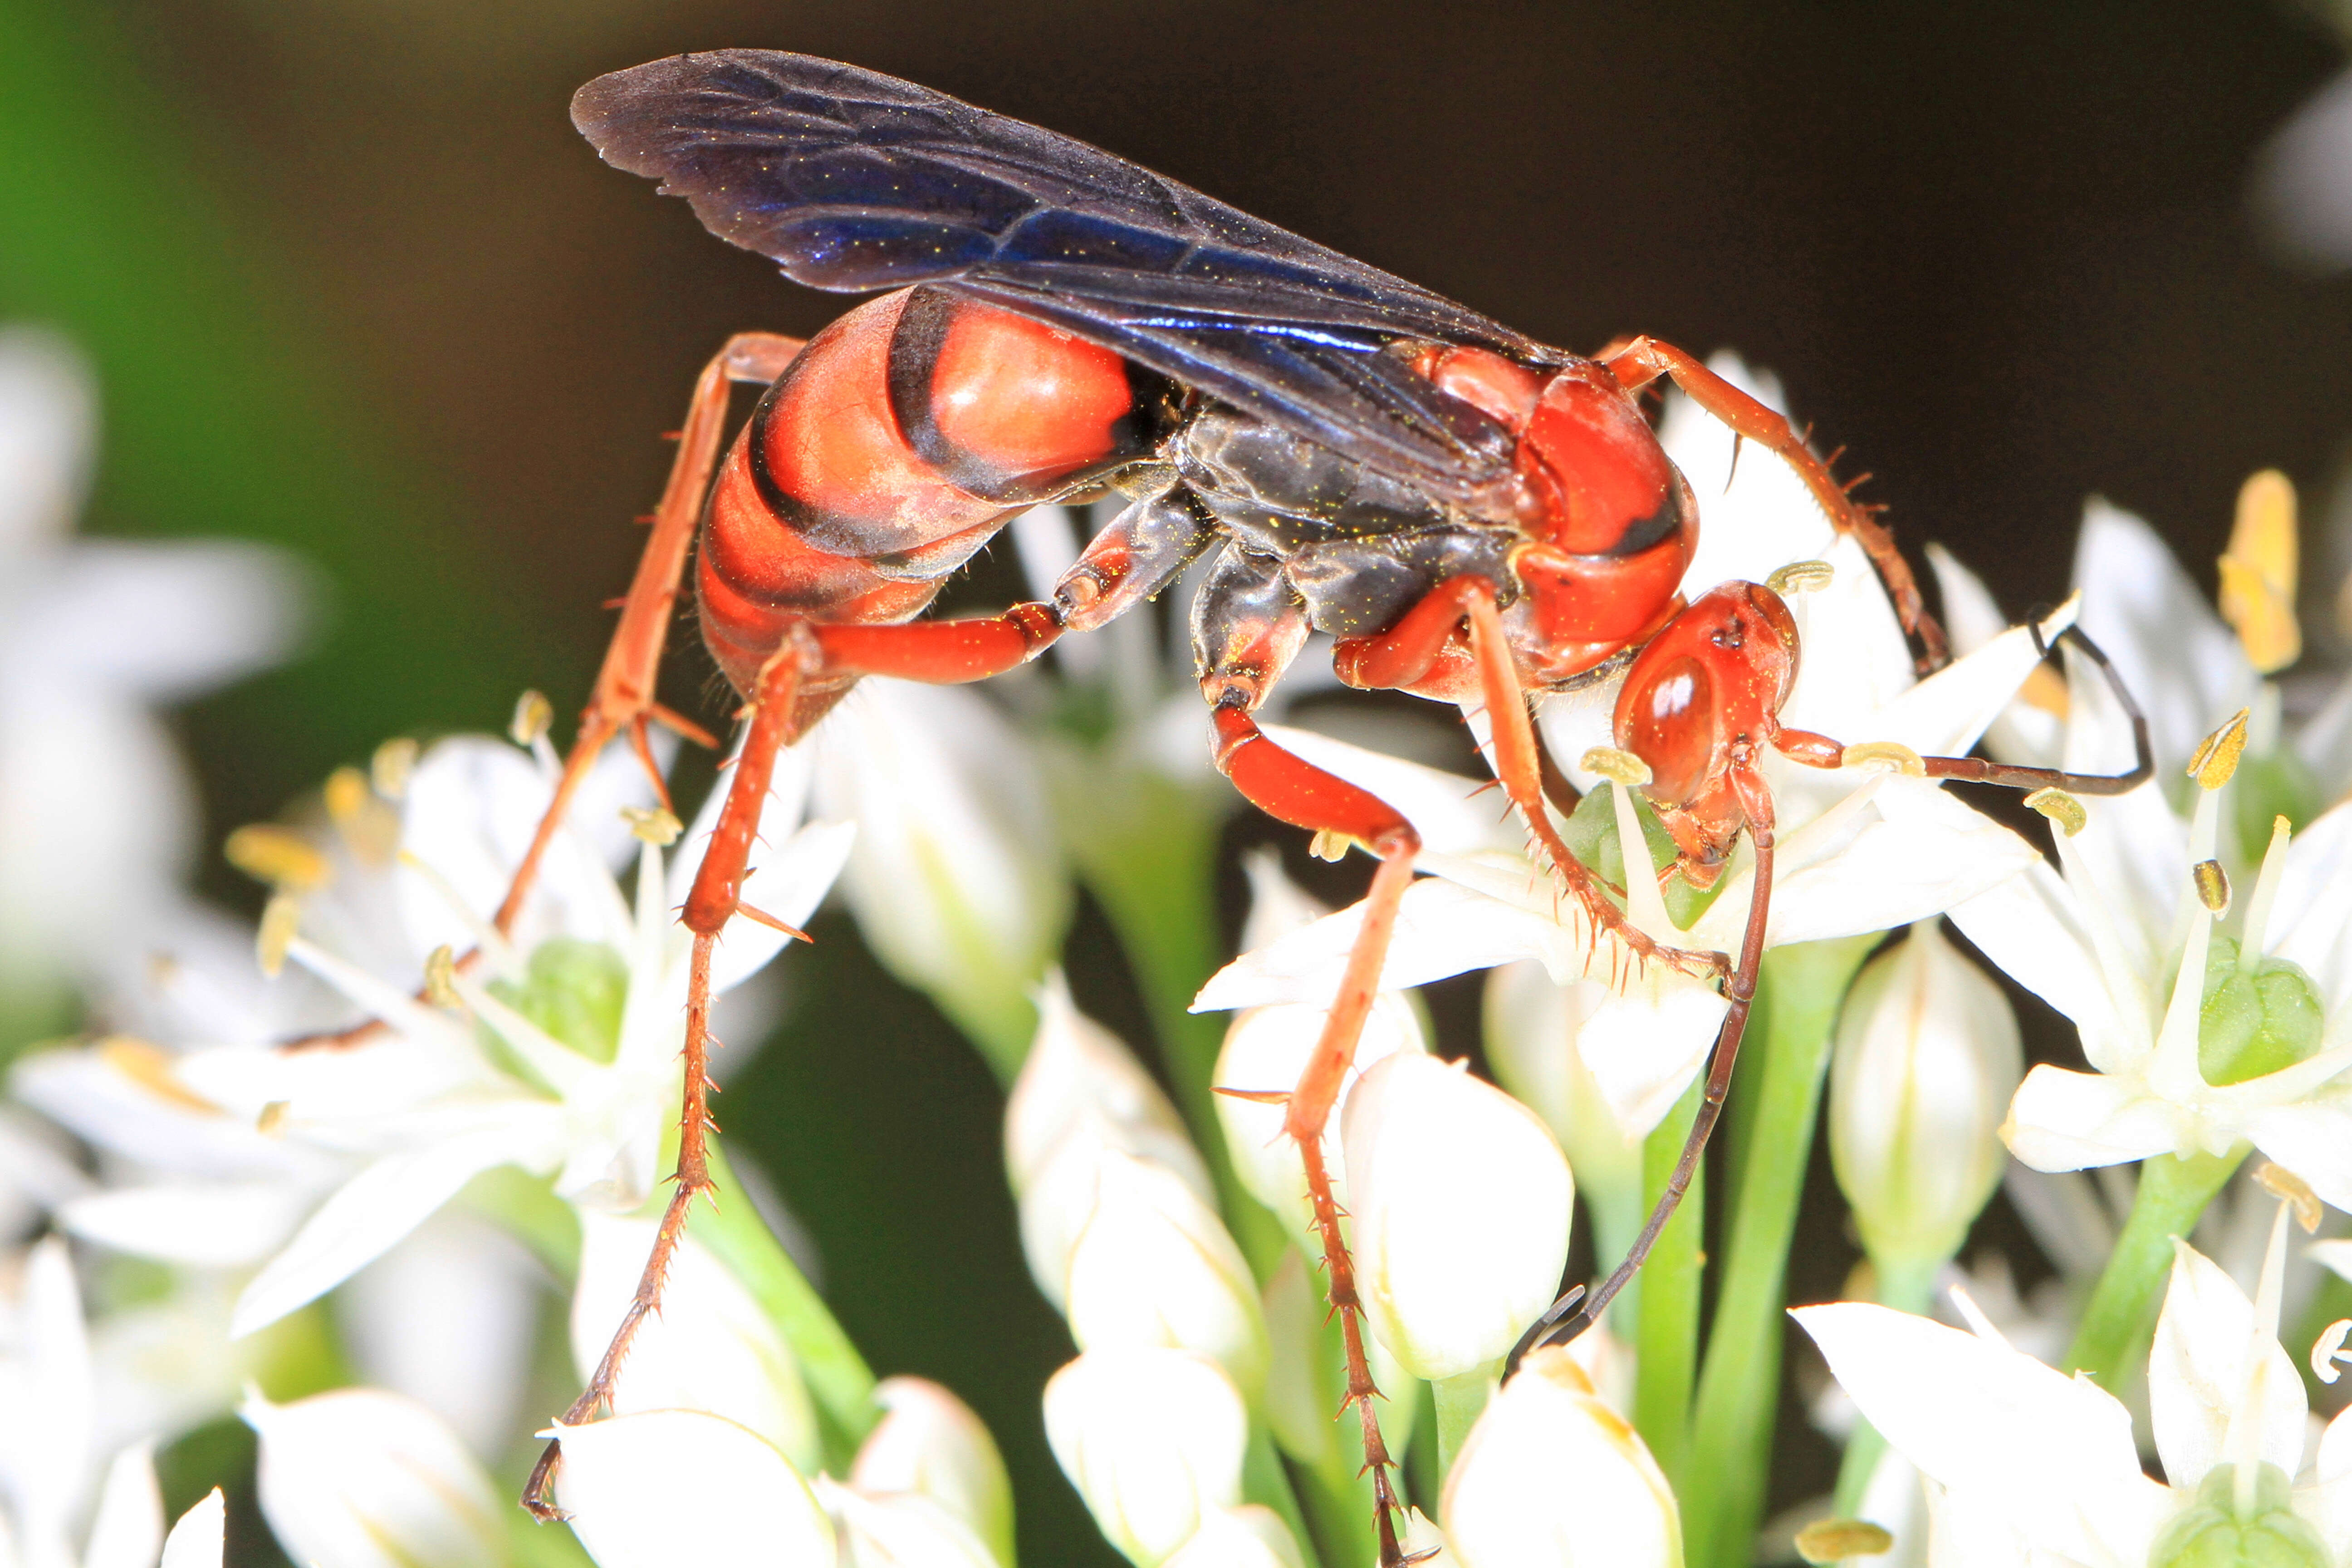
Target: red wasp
{"type": "Point", "coordinates": [1474, 516]}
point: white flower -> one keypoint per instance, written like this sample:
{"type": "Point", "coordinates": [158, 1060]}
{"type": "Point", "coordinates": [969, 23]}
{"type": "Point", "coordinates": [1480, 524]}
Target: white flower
{"type": "Point", "coordinates": [439, 1096]}
{"type": "Point", "coordinates": [1884, 852]}
{"type": "Point", "coordinates": [1155, 1266]}
{"type": "Point", "coordinates": [1081, 1095]}
{"type": "Point", "coordinates": [98, 817]}
{"type": "Point", "coordinates": [929, 1442]}
{"type": "Point", "coordinates": [1927, 1057]}
{"type": "Point", "coordinates": [2197, 1045]}
{"type": "Point", "coordinates": [1551, 1475]}
{"type": "Point", "coordinates": [57, 1419]}
{"type": "Point", "coordinates": [2301, 184]}
{"type": "Point", "coordinates": [1152, 1439]}
{"type": "Point", "coordinates": [622, 1483]}
{"type": "Point", "coordinates": [2034, 1466]}
{"type": "Point", "coordinates": [956, 880]}
{"type": "Point", "coordinates": [1459, 1203]}
{"type": "Point", "coordinates": [1532, 1028]}
{"type": "Point", "coordinates": [360, 1478]}
{"type": "Point", "coordinates": [710, 1348]}
{"type": "Point", "coordinates": [1250, 1536]}
{"type": "Point", "coordinates": [899, 1530]}
{"type": "Point", "coordinates": [1267, 1048]}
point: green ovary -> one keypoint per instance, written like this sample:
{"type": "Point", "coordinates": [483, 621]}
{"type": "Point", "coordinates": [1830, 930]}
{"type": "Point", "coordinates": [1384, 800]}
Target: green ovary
{"type": "Point", "coordinates": [575, 991]}
{"type": "Point", "coordinates": [2211, 1533]}
{"type": "Point", "coordinates": [2255, 1023]}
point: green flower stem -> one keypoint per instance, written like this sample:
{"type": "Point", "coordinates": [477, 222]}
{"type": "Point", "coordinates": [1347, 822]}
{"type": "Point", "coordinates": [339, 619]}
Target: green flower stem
{"type": "Point", "coordinates": [839, 1379]}
{"type": "Point", "coordinates": [1908, 1288]}
{"type": "Point", "coordinates": [1265, 1481]}
{"type": "Point", "coordinates": [1459, 1401]}
{"type": "Point", "coordinates": [1150, 860]}
{"type": "Point", "coordinates": [1797, 1002]}
{"type": "Point", "coordinates": [2121, 1313]}
{"type": "Point", "coordinates": [1665, 1325]}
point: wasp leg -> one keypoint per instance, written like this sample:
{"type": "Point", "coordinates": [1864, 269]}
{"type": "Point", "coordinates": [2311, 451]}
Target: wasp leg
{"type": "Point", "coordinates": [944, 652]}
{"type": "Point", "coordinates": [1643, 360]}
{"type": "Point", "coordinates": [624, 694]}
{"type": "Point", "coordinates": [1406, 653]}
{"type": "Point", "coordinates": [1577, 1311]}
{"type": "Point", "coordinates": [1296, 791]}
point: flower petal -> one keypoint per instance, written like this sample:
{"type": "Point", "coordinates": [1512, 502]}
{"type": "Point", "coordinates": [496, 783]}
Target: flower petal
{"type": "Point", "coordinates": [359, 1221]}
{"type": "Point", "coordinates": [621, 1480]}
{"type": "Point", "coordinates": [128, 1529]}
{"type": "Point", "coordinates": [2173, 652]}
{"type": "Point", "coordinates": [2198, 1375]}
{"type": "Point", "coordinates": [357, 1478]}
{"type": "Point", "coordinates": [200, 1537]}
{"type": "Point", "coordinates": [2052, 1454]}
{"type": "Point", "coordinates": [224, 1225]}
{"type": "Point", "coordinates": [2062, 1121]}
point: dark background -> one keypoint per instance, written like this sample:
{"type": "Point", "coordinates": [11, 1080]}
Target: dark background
{"type": "Point", "coordinates": [356, 286]}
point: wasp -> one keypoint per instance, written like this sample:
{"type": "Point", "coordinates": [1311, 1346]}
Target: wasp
{"type": "Point", "coordinates": [1474, 517]}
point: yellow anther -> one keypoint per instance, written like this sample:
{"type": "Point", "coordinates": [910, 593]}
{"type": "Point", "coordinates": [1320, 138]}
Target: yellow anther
{"type": "Point", "coordinates": [2217, 754]}
{"type": "Point", "coordinates": [2212, 886]}
{"type": "Point", "coordinates": [1329, 846]}
{"type": "Point", "coordinates": [653, 824]}
{"type": "Point", "coordinates": [347, 795]}
{"type": "Point", "coordinates": [1835, 1540]}
{"type": "Point", "coordinates": [533, 716]}
{"type": "Point", "coordinates": [369, 826]}
{"type": "Point", "coordinates": [2258, 572]}
{"type": "Point", "coordinates": [393, 764]}
{"type": "Point", "coordinates": [1893, 755]}
{"type": "Point", "coordinates": [271, 1122]}
{"type": "Point", "coordinates": [441, 978]}
{"type": "Point", "coordinates": [279, 857]}
{"type": "Point", "coordinates": [1802, 577]}
{"type": "Point", "coordinates": [2291, 1190]}
{"type": "Point", "coordinates": [1616, 766]}
{"type": "Point", "coordinates": [2060, 808]}
{"type": "Point", "coordinates": [282, 917]}
{"type": "Point", "coordinates": [151, 1068]}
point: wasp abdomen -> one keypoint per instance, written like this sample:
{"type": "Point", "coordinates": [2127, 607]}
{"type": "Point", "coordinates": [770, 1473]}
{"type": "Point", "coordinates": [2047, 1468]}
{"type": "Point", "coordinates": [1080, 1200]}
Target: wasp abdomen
{"type": "Point", "coordinates": [894, 447]}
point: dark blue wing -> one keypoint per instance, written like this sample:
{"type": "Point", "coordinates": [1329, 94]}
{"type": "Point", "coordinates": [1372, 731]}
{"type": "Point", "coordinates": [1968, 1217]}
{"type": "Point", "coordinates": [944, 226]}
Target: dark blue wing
{"type": "Point", "coordinates": [857, 181]}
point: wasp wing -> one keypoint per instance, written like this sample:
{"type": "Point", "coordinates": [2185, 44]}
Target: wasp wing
{"type": "Point", "coordinates": [856, 181]}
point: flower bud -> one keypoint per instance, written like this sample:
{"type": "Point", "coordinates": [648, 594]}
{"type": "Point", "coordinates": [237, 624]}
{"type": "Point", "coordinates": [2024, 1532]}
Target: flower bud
{"type": "Point", "coordinates": [1152, 1440]}
{"type": "Point", "coordinates": [1080, 1096]}
{"type": "Point", "coordinates": [899, 1530]}
{"type": "Point", "coordinates": [626, 1483]}
{"type": "Point", "coordinates": [709, 1348]}
{"type": "Point", "coordinates": [955, 877]}
{"type": "Point", "coordinates": [929, 1442]}
{"type": "Point", "coordinates": [1308, 1376]}
{"type": "Point", "coordinates": [1531, 1024]}
{"type": "Point", "coordinates": [1250, 1536]}
{"type": "Point", "coordinates": [360, 1478]}
{"type": "Point", "coordinates": [1076, 1073]}
{"type": "Point", "coordinates": [1927, 1059]}
{"type": "Point", "coordinates": [1460, 1202]}
{"type": "Point", "coordinates": [1156, 1266]}
{"type": "Point", "coordinates": [1550, 1475]}
{"type": "Point", "coordinates": [1267, 1048]}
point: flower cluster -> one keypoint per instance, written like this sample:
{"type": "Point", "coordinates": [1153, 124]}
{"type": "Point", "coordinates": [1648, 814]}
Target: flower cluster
{"type": "Point", "coordinates": [321, 1179]}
